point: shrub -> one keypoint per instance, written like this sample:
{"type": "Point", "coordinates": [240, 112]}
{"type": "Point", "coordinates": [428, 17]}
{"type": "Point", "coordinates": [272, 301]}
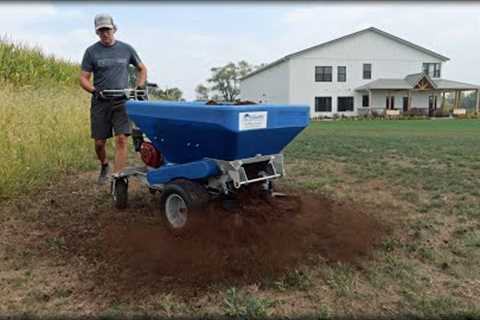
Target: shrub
{"type": "Point", "coordinates": [441, 113]}
{"type": "Point", "coordinates": [416, 112]}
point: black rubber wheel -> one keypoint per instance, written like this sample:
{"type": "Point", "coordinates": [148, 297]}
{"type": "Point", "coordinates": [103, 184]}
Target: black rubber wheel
{"type": "Point", "coordinates": [120, 193]}
{"type": "Point", "coordinates": [269, 188]}
{"type": "Point", "coordinates": [263, 189]}
{"type": "Point", "coordinates": [180, 201]}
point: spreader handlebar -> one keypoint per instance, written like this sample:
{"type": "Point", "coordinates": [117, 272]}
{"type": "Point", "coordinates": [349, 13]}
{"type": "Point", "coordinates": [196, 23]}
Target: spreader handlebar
{"type": "Point", "coordinates": [128, 93]}
{"type": "Point", "coordinates": [135, 94]}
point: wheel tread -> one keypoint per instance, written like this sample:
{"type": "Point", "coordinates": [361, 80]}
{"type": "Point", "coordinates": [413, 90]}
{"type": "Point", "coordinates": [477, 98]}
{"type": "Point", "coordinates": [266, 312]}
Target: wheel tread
{"type": "Point", "coordinates": [195, 195]}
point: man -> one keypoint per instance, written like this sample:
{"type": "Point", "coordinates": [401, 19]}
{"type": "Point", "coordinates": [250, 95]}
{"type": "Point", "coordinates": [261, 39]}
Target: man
{"type": "Point", "coordinates": [109, 60]}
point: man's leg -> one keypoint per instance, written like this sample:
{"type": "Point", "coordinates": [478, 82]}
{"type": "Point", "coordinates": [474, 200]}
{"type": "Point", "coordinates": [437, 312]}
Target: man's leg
{"type": "Point", "coordinates": [121, 152]}
{"type": "Point", "coordinates": [101, 127]}
{"type": "Point", "coordinates": [100, 150]}
{"type": "Point", "coordinates": [122, 130]}
{"type": "Point", "coordinates": [102, 157]}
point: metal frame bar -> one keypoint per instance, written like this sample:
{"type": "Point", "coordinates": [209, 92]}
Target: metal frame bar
{"type": "Point", "coordinates": [237, 173]}
{"type": "Point", "coordinates": [232, 171]}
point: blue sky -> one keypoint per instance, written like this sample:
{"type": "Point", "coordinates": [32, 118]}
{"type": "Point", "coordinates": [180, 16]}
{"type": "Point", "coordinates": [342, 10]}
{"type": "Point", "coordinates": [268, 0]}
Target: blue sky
{"type": "Point", "coordinates": [179, 43]}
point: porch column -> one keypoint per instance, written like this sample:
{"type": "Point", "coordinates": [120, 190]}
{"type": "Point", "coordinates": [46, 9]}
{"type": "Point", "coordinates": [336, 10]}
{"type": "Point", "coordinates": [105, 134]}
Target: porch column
{"type": "Point", "coordinates": [370, 104]}
{"type": "Point", "coordinates": [442, 106]}
{"type": "Point", "coordinates": [409, 100]}
{"type": "Point", "coordinates": [388, 106]}
{"type": "Point", "coordinates": [477, 104]}
{"type": "Point", "coordinates": [459, 98]}
{"type": "Point", "coordinates": [455, 103]}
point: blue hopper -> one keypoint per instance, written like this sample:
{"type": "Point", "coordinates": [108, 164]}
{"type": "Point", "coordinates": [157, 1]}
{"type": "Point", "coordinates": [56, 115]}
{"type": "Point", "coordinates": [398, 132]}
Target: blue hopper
{"type": "Point", "coordinates": [209, 150]}
{"type": "Point", "coordinates": [187, 132]}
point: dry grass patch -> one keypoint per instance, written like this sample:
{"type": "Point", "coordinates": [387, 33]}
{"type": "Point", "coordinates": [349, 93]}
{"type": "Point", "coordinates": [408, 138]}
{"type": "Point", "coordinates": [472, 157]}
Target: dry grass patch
{"type": "Point", "coordinates": [45, 133]}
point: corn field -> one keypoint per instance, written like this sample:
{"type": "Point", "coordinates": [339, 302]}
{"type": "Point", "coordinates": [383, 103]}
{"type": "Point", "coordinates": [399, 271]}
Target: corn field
{"type": "Point", "coordinates": [21, 65]}
{"type": "Point", "coordinates": [44, 120]}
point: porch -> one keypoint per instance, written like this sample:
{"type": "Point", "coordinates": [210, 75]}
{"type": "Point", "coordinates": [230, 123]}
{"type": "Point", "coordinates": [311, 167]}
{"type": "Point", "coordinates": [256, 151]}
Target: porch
{"type": "Point", "coordinates": [416, 94]}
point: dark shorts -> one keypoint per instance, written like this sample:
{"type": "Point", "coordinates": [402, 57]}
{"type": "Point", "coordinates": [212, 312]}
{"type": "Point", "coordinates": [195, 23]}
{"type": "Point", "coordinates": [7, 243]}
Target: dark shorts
{"type": "Point", "coordinates": [107, 116]}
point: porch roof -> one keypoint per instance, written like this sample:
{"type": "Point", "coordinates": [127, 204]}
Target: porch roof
{"type": "Point", "coordinates": [386, 84]}
{"type": "Point", "coordinates": [411, 80]}
{"type": "Point", "coordinates": [450, 84]}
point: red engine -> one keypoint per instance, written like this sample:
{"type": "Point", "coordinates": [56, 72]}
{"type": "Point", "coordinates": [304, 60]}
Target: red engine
{"type": "Point", "coordinates": [150, 155]}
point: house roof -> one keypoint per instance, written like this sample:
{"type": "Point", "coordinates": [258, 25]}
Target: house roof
{"type": "Point", "coordinates": [449, 84]}
{"type": "Point", "coordinates": [386, 84]}
{"type": "Point", "coordinates": [411, 80]}
{"type": "Point", "coordinates": [373, 29]}
{"type": "Point", "coordinates": [414, 78]}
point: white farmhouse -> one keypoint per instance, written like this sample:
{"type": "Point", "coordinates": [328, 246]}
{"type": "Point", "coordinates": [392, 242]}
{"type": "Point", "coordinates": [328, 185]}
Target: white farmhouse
{"type": "Point", "coordinates": [369, 70]}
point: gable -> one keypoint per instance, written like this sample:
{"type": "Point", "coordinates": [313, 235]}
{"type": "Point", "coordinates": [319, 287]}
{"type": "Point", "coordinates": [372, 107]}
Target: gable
{"type": "Point", "coordinates": [348, 49]}
{"type": "Point", "coordinates": [424, 84]}
{"type": "Point", "coordinates": [420, 81]}
{"type": "Point", "coordinates": [368, 45]}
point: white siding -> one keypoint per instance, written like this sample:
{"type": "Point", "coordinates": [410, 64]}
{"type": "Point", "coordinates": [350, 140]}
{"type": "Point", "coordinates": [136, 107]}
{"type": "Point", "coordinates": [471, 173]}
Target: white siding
{"type": "Point", "coordinates": [293, 81]}
{"type": "Point", "coordinates": [389, 59]}
{"type": "Point", "coordinates": [419, 99]}
{"type": "Point", "coordinates": [268, 86]}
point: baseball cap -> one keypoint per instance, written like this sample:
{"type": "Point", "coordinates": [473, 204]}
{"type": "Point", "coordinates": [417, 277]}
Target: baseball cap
{"type": "Point", "coordinates": [104, 21]}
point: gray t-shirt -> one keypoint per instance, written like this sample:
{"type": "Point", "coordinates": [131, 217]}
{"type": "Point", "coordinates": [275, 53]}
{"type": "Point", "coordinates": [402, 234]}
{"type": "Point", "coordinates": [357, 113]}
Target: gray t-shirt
{"type": "Point", "coordinates": [110, 64]}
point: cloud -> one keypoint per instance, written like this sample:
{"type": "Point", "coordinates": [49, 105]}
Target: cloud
{"type": "Point", "coordinates": [47, 27]}
{"type": "Point", "coordinates": [21, 14]}
{"type": "Point", "coordinates": [181, 53]}
{"type": "Point", "coordinates": [174, 57]}
{"type": "Point", "coordinates": [183, 59]}
{"type": "Point", "coordinates": [450, 29]}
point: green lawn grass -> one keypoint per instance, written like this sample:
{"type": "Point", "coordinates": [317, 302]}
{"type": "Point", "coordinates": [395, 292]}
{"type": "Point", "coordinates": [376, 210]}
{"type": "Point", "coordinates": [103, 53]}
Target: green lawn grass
{"type": "Point", "coordinates": [421, 175]}
{"type": "Point", "coordinates": [436, 155]}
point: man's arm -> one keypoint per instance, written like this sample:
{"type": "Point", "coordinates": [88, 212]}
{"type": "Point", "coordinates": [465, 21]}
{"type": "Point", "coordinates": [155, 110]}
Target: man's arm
{"type": "Point", "coordinates": [85, 81]}
{"type": "Point", "coordinates": [141, 75]}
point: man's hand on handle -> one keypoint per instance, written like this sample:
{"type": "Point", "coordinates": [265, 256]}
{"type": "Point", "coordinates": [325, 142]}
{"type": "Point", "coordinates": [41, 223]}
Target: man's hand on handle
{"type": "Point", "coordinates": [99, 94]}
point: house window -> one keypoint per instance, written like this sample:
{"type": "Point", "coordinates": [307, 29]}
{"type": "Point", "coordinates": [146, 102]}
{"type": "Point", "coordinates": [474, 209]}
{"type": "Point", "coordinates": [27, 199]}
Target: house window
{"type": "Point", "coordinates": [425, 68]}
{"type": "Point", "coordinates": [341, 73]}
{"type": "Point", "coordinates": [365, 100]}
{"type": "Point", "coordinates": [436, 70]}
{"type": "Point", "coordinates": [432, 69]}
{"type": "Point", "coordinates": [323, 104]}
{"type": "Point", "coordinates": [323, 74]}
{"type": "Point", "coordinates": [389, 102]}
{"type": "Point", "coordinates": [344, 104]}
{"type": "Point", "coordinates": [367, 71]}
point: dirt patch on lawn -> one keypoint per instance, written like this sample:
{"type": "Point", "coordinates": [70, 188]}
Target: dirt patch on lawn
{"type": "Point", "coordinates": [118, 253]}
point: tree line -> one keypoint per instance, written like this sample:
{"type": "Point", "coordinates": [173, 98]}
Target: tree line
{"type": "Point", "coordinates": [224, 82]}
{"type": "Point", "coordinates": [222, 85]}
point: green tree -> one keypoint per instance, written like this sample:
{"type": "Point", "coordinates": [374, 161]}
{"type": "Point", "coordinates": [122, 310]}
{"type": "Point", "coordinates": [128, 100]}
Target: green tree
{"type": "Point", "coordinates": [171, 94]}
{"type": "Point", "coordinates": [469, 100]}
{"type": "Point", "coordinates": [226, 79]}
{"type": "Point", "coordinates": [202, 92]}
